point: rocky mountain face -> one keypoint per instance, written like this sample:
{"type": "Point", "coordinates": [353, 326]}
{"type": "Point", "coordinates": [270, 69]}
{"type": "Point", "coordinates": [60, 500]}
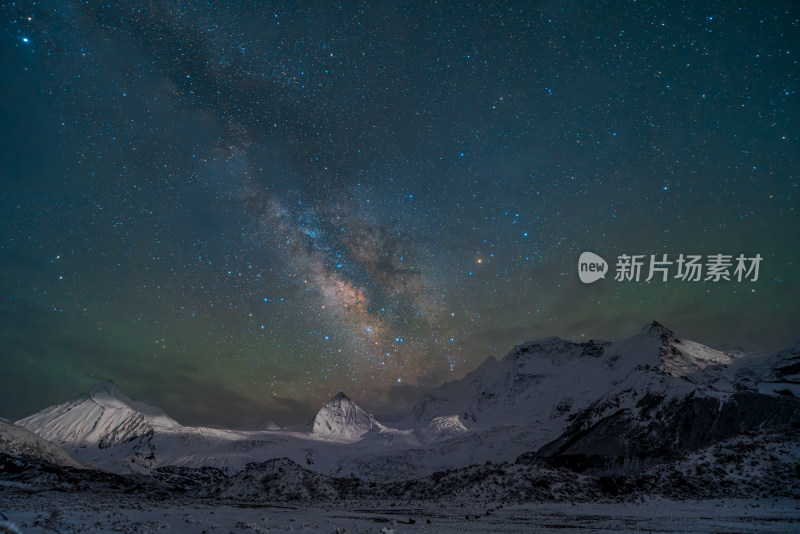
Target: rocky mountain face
{"type": "Point", "coordinates": [652, 417]}
{"type": "Point", "coordinates": [547, 382]}
{"type": "Point", "coordinates": [604, 409]}
{"type": "Point", "coordinates": [341, 417]}
{"type": "Point", "coordinates": [19, 441]}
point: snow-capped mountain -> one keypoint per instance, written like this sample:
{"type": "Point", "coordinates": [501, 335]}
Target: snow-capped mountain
{"type": "Point", "coordinates": [680, 358]}
{"type": "Point", "coordinates": [20, 441]}
{"type": "Point", "coordinates": [106, 428]}
{"type": "Point", "coordinates": [777, 374]}
{"type": "Point", "coordinates": [642, 420]}
{"type": "Point", "coordinates": [341, 417]}
{"type": "Point", "coordinates": [103, 427]}
{"type": "Point", "coordinates": [554, 396]}
{"type": "Point", "coordinates": [530, 397]}
{"type": "Point", "coordinates": [543, 382]}
{"type": "Point", "coordinates": [651, 415]}
{"type": "Point", "coordinates": [104, 416]}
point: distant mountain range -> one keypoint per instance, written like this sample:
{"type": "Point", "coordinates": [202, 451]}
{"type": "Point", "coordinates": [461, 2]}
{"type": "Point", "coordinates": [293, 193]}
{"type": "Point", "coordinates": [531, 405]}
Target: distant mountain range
{"type": "Point", "coordinates": [604, 407]}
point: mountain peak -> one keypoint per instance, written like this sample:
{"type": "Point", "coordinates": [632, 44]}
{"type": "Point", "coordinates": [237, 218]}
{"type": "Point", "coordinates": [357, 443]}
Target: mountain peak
{"type": "Point", "coordinates": [340, 396]}
{"type": "Point", "coordinates": [103, 416]}
{"type": "Point", "coordinates": [108, 388]}
{"type": "Point", "coordinates": [341, 417]}
{"type": "Point", "coordinates": [109, 395]}
{"type": "Point", "coordinates": [680, 357]}
{"type": "Point", "coordinates": [656, 329]}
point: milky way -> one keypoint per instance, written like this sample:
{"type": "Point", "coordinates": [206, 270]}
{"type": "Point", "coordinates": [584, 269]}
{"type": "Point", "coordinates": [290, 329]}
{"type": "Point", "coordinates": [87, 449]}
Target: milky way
{"type": "Point", "coordinates": [236, 211]}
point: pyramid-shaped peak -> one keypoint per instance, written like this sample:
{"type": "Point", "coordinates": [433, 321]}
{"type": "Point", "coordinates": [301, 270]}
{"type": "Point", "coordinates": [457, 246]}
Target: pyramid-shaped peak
{"type": "Point", "coordinates": [680, 357]}
{"type": "Point", "coordinates": [657, 329]}
{"type": "Point", "coordinates": [340, 396]}
{"type": "Point", "coordinates": [341, 417]}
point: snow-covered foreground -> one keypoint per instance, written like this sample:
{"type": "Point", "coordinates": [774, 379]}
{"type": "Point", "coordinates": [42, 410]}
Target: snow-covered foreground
{"type": "Point", "coordinates": [75, 513]}
{"type": "Point", "coordinates": [648, 434]}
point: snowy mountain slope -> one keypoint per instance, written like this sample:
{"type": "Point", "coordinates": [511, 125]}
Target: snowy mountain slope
{"type": "Point", "coordinates": [347, 442]}
{"type": "Point", "coordinates": [755, 464]}
{"type": "Point", "coordinates": [741, 466]}
{"type": "Point", "coordinates": [541, 392]}
{"type": "Point", "coordinates": [477, 446]}
{"type": "Point", "coordinates": [770, 373]}
{"type": "Point", "coordinates": [20, 441]}
{"type": "Point", "coordinates": [762, 464]}
{"type": "Point", "coordinates": [676, 357]}
{"type": "Point", "coordinates": [543, 383]}
{"type": "Point", "coordinates": [515, 389]}
{"type": "Point", "coordinates": [341, 417]}
{"type": "Point", "coordinates": [104, 416]}
{"type": "Point", "coordinates": [103, 427]}
{"type": "Point", "coordinates": [651, 415]}
{"type": "Point", "coordinates": [106, 428]}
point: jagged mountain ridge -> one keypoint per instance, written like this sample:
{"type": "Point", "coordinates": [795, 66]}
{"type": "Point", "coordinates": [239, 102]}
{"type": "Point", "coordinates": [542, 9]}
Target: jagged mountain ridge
{"type": "Point", "coordinates": [651, 416]}
{"type": "Point", "coordinates": [544, 382]}
{"type": "Point", "coordinates": [503, 409]}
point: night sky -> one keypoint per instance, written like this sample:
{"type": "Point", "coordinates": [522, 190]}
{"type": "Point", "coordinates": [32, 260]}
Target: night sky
{"type": "Point", "coordinates": [234, 212]}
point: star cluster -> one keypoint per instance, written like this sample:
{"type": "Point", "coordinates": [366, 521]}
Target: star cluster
{"type": "Point", "coordinates": [237, 210]}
